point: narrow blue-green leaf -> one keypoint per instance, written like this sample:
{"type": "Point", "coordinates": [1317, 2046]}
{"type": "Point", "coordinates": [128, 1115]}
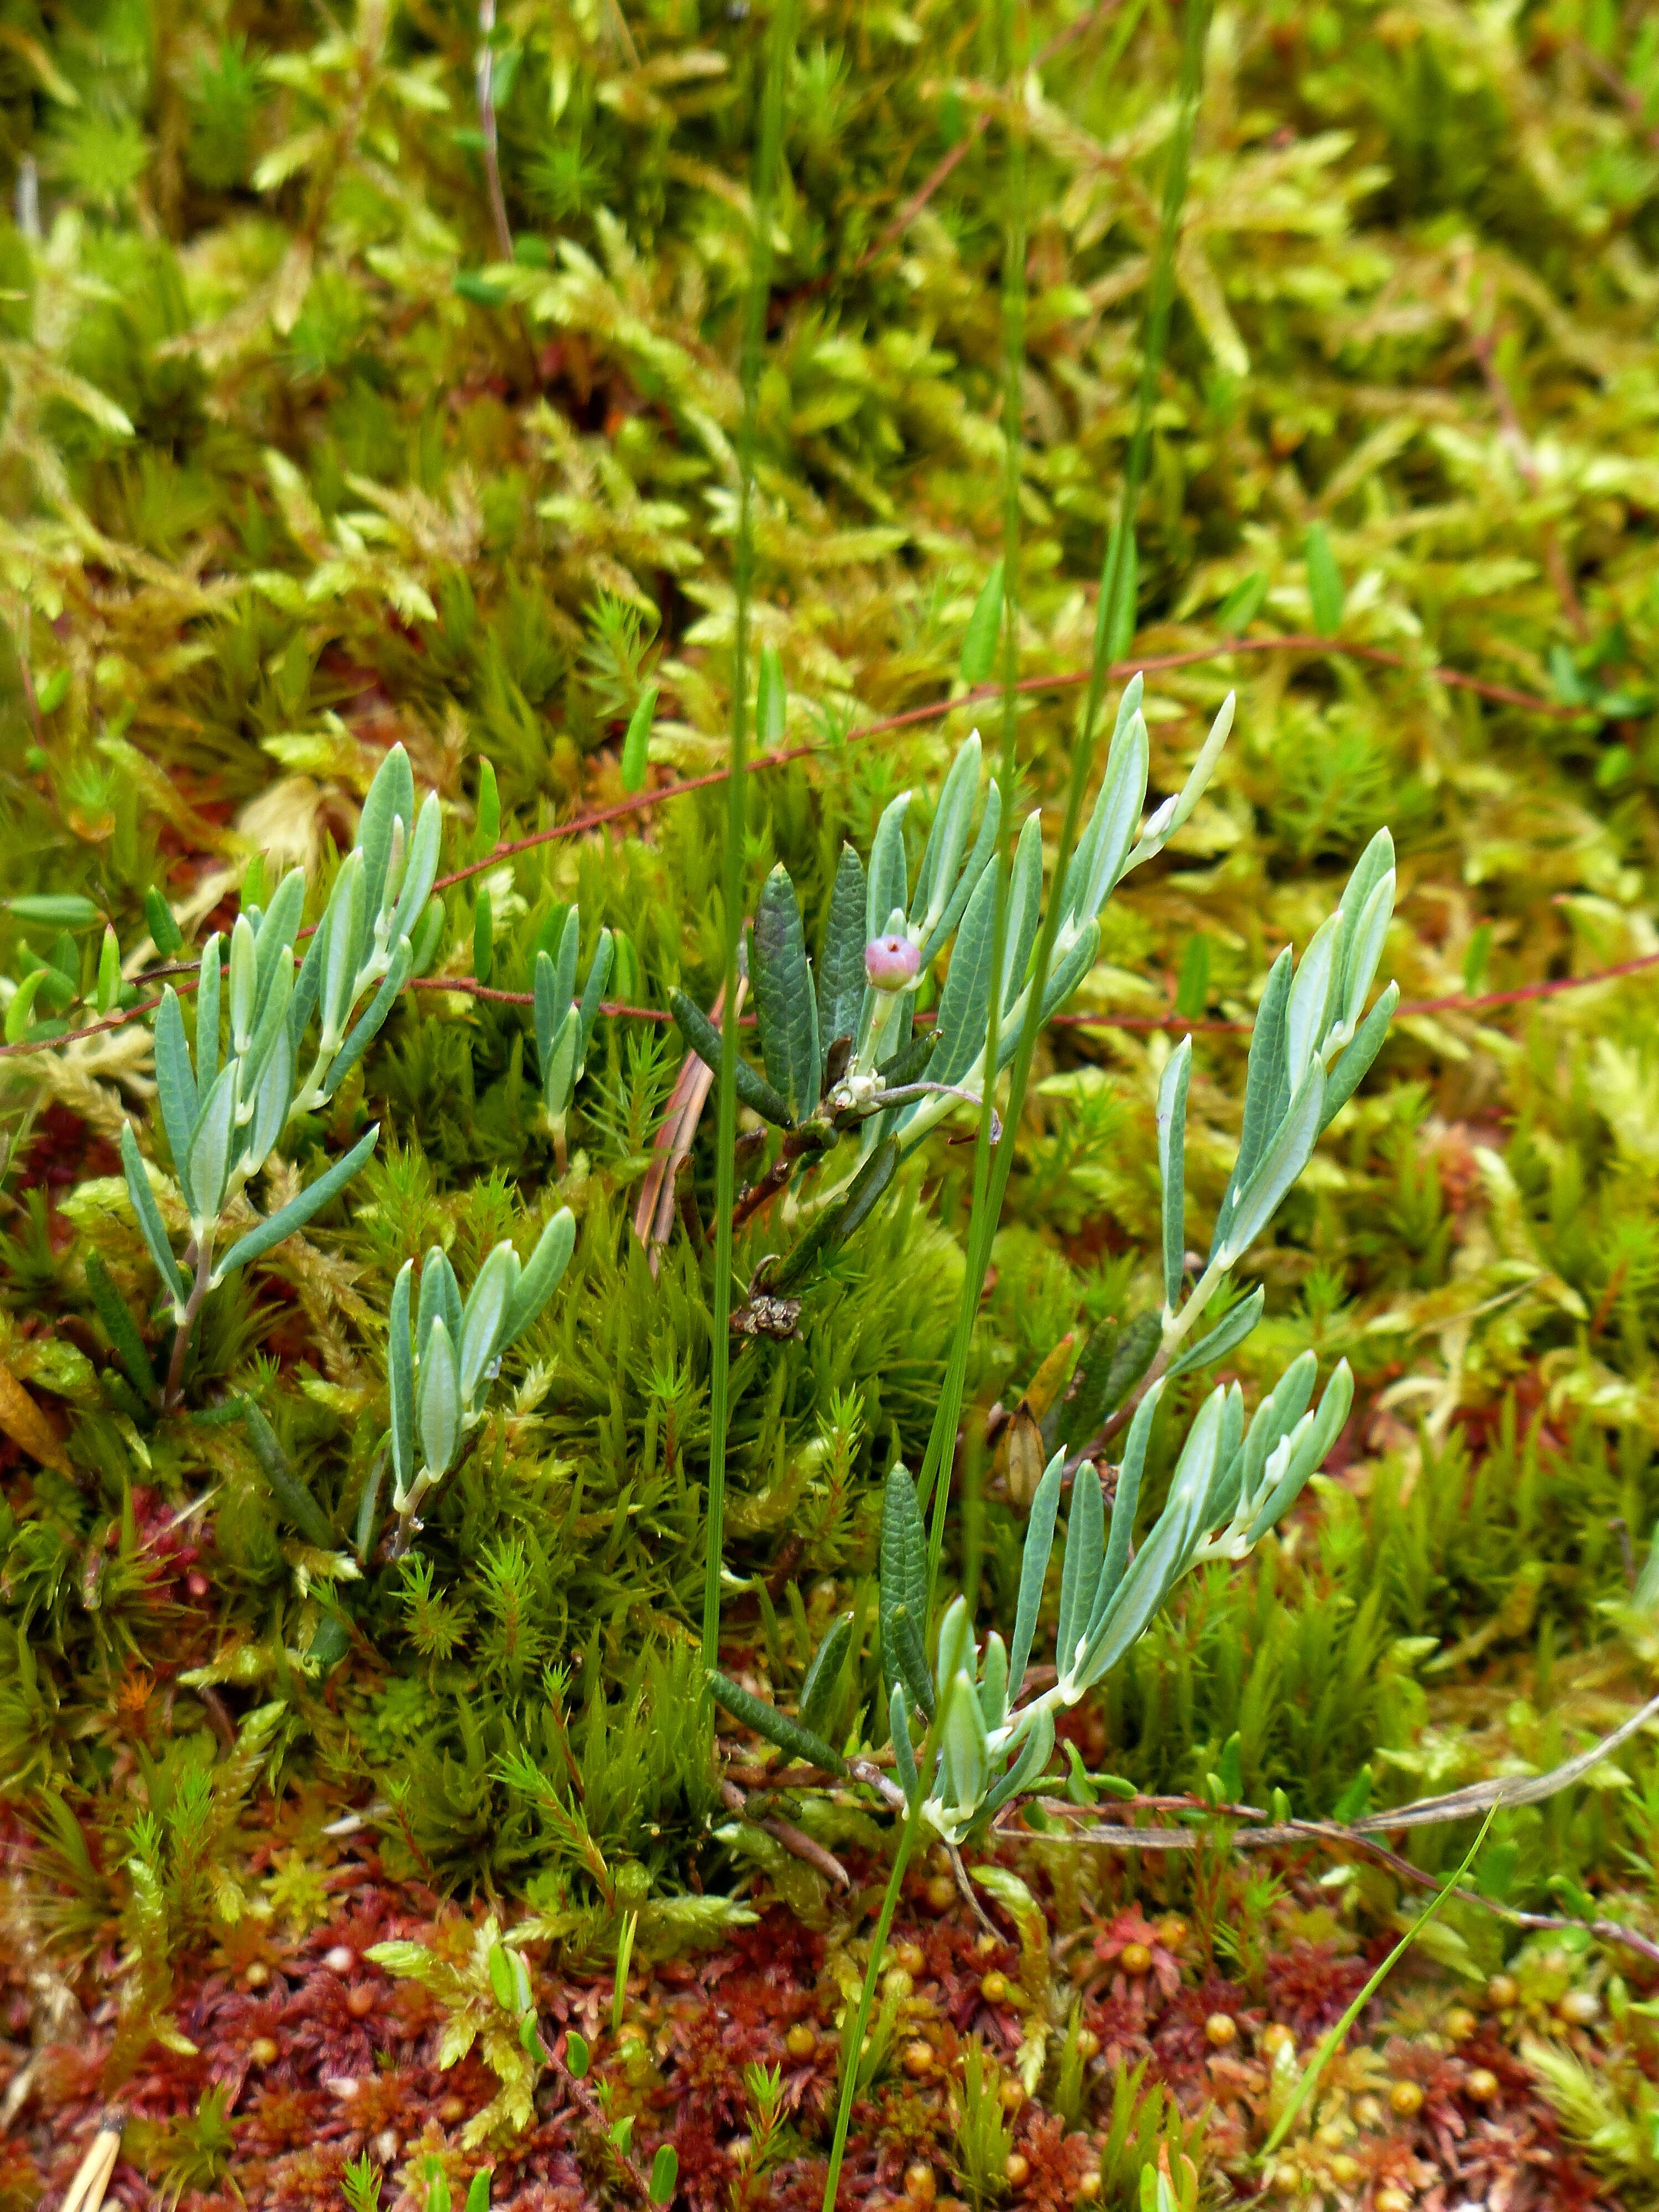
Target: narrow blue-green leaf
{"type": "Point", "coordinates": [1034, 1571]}
{"type": "Point", "coordinates": [1036, 1752]}
{"type": "Point", "coordinates": [543, 1273]}
{"type": "Point", "coordinates": [421, 871]}
{"type": "Point", "coordinates": [1087, 851]}
{"type": "Point", "coordinates": [440, 1300]}
{"type": "Point", "coordinates": [438, 1400]}
{"type": "Point", "coordinates": [1370, 934]}
{"type": "Point", "coordinates": [1276, 1416]}
{"type": "Point", "coordinates": [1373, 864]}
{"type": "Point", "coordinates": [1228, 1334]}
{"type": "Point", "coordinates": [207, 1019]}
{"type": "Point", "coordinates": [151, 1226]}
{"type": "Point", "coordinates": [175, 1084]}
{"type": "Point", "coordinates": [1023, 908]}
{"type": "Point", "coordinates": [300, 1210]}
{"type": "Point", "coordinates": [1172, 1166]}
{"type": "Point", "coordinates": [391, 795]}
{"type": "Point", "coordinates": [566, 959]}
{"type": "Point", "coordinates": [966, 1753]}
{"type": "Point", "coordinates": [209, 1167]}
{"type": "Point", "coordinates": [373, 1018]}
{"type": "Point", "coordinates": [484, 1316]}
{"type": "Point", "coordinates": [947, 839]}
{"type": "Point", "coordinates": [1282, 1162]}
{"type": "Point", "coordinates": [1126, 1500]}
{"type": "Point", "coordinates": [994, 1682]}
{"type": "Point", "coordinates": [1079, 1574]}
{"type": "Point", "coordinates": [547, 1010]}
{"type": "Point", "coordinates": [964, 1005]}
{"type": "Point", "coordinates": [400, 1377]}
{"type": "Point", "coordinates": [1308, 1452]}
{"type": "Point", "coordinates": [1307, 1013]}
{"type": "Point", "coordinates": [593, 998]}
{"type": "Point", "coordinates": [1262, 1074]}
{"type": "Point", "coordinates": [1351, 1070]}
{"type": "Point", "coordinates": [886, 879]}
{"type": "Point", "coordinates": [984, 845]}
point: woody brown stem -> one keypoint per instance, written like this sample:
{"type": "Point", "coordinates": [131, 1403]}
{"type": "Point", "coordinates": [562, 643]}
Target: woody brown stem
{"type": "Point", "coordinates": [172, 1393]}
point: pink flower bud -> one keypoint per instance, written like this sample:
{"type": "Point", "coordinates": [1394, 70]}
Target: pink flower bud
{"type": "Point", "coordinates": [891, 962]}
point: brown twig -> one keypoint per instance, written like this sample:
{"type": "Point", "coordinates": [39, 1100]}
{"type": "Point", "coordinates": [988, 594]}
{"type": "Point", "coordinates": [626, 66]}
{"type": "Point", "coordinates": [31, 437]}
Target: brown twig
{"type": "Point", "coordinates": [1286, 1832]}
{"type": "Point", "coordinates": [794, 1840]}
{"type": "Point", "coordinates": [1061, 680]}
{"type": "Point", "coordinates": [173, 1393]}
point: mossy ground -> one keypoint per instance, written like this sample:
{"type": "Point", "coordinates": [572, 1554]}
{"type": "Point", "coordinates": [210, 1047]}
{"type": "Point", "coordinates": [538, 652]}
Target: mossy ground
{"type": "Point", "coordinates": [294, 462]}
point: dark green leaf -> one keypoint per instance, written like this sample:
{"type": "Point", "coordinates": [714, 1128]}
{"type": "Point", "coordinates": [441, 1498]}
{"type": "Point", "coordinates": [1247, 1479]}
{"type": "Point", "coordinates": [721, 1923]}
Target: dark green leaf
{"type": "Point", "coordinates": [778, 1727]}
{"type": "Point", "coordinates": [910, 1657]}
{"type": "Point", "coordinates": [1109, 1365]}
{"type": "Point", "coordinates": [483, 936]}
{"type": "Point", "coordinates": [979, 647]}
{"type": "Point", "coordinates": [164, 931]}
{"type": "Point", "coordinates": [841, 980]}
{"type": "Point", "coordinates": [837, 1222]}
{"type": "Point", "coordinates": [704, 1039]}
{"type": "Point", "coordinates": [784, 1005]}
{"type": "Point", "coordinates": [903, 1564]}
{"type": "Point", "coordinates": [121, 1328]}
{"type": "Point", "coordinates": [636, 745]}
{"type": "Point", "coordinates": [821, 1688]}
{"type": "Point", "coordinates": [293, 1500]}
{"type": "Point", "coordinates": [1324, 581]}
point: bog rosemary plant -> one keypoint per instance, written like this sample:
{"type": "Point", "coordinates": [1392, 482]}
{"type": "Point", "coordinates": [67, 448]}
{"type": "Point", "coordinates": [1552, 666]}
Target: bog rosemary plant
{"type": "Point", "coordinates": [985, 1742]}
{"type": "Point", "coordinates": [1312, 1042]}
{"type": "Point", "coordinates": [288, 1038]}
{"type": "Point", "coordinates": [564, 1024]}
{"type": "Point", "coordinates": [442, 1356]}
{"type": "Point", "coordinates": [841, 1055]}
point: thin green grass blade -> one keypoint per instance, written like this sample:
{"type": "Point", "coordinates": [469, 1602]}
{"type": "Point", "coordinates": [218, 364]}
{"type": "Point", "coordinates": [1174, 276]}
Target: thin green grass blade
{"type": "Point", "coordinates": [1333, 2042]}
{"type": "Point", "coordinates": [781, 39]}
